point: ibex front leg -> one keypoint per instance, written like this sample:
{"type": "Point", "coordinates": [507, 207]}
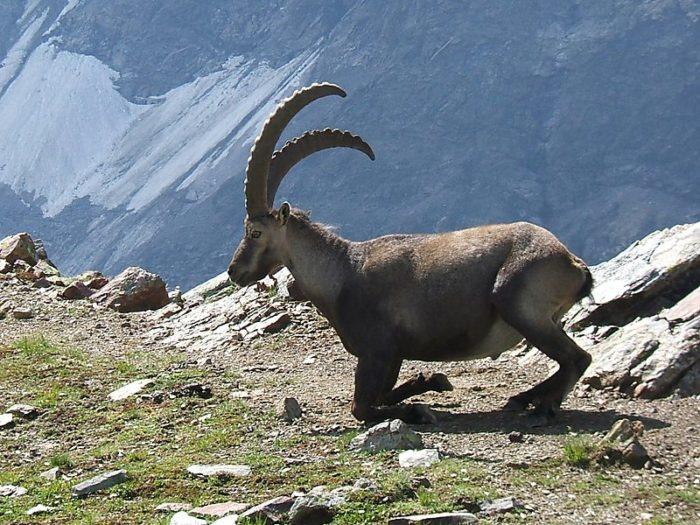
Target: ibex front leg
{"type": "Point", "coordinates": [417, 385]}
{"type": "Point", "coordinates": [371, 378]}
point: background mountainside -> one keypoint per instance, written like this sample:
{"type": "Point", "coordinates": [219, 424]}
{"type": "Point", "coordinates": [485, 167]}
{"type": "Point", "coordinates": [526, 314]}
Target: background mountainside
{"type": "Point", "coordinates": [126, 124]}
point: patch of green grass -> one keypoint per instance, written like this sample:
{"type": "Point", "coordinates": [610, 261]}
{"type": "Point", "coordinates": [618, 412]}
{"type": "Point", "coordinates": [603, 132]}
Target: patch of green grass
{"type": "Point", "coordinates": [32, 345]}
{"type": "Point", "coordinates": [578, 451]}
{"type": "Point", "coordinates": [61, 460]}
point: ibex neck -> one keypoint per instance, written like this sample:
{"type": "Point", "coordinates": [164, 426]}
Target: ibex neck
{"type": "Point", "coordinates": [319, 260]}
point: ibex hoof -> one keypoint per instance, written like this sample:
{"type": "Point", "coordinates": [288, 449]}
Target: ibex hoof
{"type": "Point", "coordinates": [440, 383]}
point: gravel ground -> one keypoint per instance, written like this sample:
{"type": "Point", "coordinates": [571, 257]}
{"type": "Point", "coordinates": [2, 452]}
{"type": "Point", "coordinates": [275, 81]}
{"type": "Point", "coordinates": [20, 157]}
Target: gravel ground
{"type": "Point", "coordinates": [306, 361]}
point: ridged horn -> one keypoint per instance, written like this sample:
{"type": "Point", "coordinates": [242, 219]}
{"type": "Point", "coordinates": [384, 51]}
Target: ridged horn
{"type": "Point", "coordinates": [307, 144]}
{"type": "Point", "coordinates": [262, 150]}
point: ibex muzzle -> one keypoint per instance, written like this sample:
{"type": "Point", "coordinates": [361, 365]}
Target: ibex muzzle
{"type": "Point", "coordinates": [453, 296]}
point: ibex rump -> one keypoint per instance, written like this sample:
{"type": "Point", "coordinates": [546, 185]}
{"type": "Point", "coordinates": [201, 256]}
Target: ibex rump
{"type": "Point", "coordinates": [443, 297]}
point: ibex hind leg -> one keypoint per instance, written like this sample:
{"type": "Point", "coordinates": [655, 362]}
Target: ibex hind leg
{"type": "Point", "coordinates": [536, 317]}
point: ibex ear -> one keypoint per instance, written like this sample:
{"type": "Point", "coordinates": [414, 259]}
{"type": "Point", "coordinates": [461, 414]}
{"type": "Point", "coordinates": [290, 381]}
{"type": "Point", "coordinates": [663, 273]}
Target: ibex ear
{"type": "Point", "coordinates": [283, 213]}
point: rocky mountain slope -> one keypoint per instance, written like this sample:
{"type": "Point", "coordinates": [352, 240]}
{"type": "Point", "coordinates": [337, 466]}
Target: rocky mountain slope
{"type": "Point", "coordinates": [232, 406]}
{"type": "Point", "coordinates": [126, 125]}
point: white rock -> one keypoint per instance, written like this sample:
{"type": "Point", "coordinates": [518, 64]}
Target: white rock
{"type": "Point", "coordinates": [231, 519]}
{"type": "Point", "coordinates": [173, 507]}
{"type": "Point", "coordinates": [130, 389]}
{"type": "Point", "coordinates": [40, 509]}
{"type": "Point", "coordinates": [7, 421]}
{"type": "Point", "coordinates": [233, 471]}
{"type": "Point", "coordinates": [12, 491]}
{"type": "Point", "coordinates": [182, 518]}
{"type": "Point", "coordinates": [419, 458]}
{"type": "Point", "coordinates": [389, 435]}
{"type": "Point", "coordinates": [51, 474]}
{"type": "Point", "coordinates": [25, 411]}
{"type": "Point", "coordinates": [444, 518]}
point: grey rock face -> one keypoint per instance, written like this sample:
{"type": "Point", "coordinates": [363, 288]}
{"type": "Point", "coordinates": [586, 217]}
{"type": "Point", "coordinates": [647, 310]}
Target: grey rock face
{"type": "Point", "coordinates": [445, 128]}
{"type": "Point", "coordinates": [389, 435]}
{"type": "Point", "coordinates": [98, 483]}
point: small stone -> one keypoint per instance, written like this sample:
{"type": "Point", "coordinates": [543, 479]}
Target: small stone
{"type": "Point", "coordinates": [99, 483]}
{"type": "Point", "coordinates": [12, 491]}
{"type": "Point", "coordinates": [22, 313]}
{"type": "Point", "coordinates": [40, 509]}
{"type": "Point", "coordinates": [364, 484]}
{"type": "Point", "coordinates": [623, 430]}
{"type": "Point", "coordinates": [271, 511]}
{"type": "Point", "coordinates": [315, 508]}
{"type": "Point", "coordinates": [97, 282]}
{"type": "Point", "coordinates": [270, 325]}
{"type": "Point", "coordinates": [231, 519]}
{"type": "Point", "coordinates": [444, 518]}
{"type": "Point", "coordinates": [182, 518]}
{"type": "Point", "coordinates": [130, 389]}
{"type": "Point", "coordinates": [389, 435]}
{"type": "Point", "coordinates": [219, 510]}
{"type": "Point", "coordinates": [420, 482]}
{"type": "Point", "coordinates": [42, 283]}
{"type": "Point", "coordinates": [219, 471]}
{"type": "Point", "coordinates": [291, 409]}
{"type": "Point", "coordinates": [419, 458]}
{"type": "Point", "coordinates": [168, 507]}
{"type": "Point", "coordinates": [7, 421]}
{"type": "Point", "coordinates": [193, 390]}
{"type": "Point", "coordinates": [24, 411]}
{"type": "Point", "coordinates": [635, 454]}
{"type": "Point", "coordinates": [499, 506]}
{"type": "Point", "coordinates": [309, 360]}
{"type": "Point", "coordinates": [76, 290]}
{"type": "Point", "coordinates": [52, 474]}
{"type": "Point", "coordinates": [515, 437]}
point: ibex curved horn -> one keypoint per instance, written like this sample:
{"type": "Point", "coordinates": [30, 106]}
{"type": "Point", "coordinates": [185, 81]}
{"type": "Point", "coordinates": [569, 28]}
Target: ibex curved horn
{"type": "Point", "coordinates": [307, 144]}
{"type": "Point", "coordinates": [261, 152]}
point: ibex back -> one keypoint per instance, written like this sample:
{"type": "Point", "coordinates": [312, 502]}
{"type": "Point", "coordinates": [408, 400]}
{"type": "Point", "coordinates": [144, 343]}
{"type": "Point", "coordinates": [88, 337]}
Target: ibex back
{"type": "Point", "coordinates": [444, 297]}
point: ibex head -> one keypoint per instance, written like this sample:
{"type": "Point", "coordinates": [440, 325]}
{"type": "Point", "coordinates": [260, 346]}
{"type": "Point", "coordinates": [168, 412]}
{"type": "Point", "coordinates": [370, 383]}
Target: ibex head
{"type": "Point", "coordinates": [263, 246]}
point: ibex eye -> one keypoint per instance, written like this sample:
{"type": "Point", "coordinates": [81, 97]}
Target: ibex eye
{"type": "Point", "coordinates": [255, 234]}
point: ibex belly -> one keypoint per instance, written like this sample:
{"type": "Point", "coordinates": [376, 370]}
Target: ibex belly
{"type": "Point", "coordinates": [498, 338]}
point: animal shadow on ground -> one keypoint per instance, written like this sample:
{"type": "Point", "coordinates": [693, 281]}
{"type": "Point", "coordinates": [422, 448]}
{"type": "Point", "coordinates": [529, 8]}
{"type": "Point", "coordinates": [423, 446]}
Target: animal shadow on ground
{"type": "Point", "coordinates": [508, 421]}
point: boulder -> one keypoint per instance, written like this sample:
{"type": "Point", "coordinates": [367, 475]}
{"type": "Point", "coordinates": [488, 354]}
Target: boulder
{"type": "Point", "coordinates": [389, 435]}
{"type": "Point", "coordinates": [499, 506]}
{"type": "Point", "coordinates": [19, 247]}
{"type": "Point", "coordinates": [7, 421]}
{"type": "Point", "coordinates": [133, 290]}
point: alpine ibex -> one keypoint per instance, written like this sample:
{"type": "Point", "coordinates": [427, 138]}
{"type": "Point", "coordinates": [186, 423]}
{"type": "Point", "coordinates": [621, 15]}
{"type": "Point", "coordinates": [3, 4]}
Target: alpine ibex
{"type": "Point", "coordinates": [441, 297]}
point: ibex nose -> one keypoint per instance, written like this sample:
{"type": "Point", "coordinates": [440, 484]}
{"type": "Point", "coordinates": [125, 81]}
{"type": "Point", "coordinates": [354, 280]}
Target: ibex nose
{"type": "Point", "coordinates": [232, 273]}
